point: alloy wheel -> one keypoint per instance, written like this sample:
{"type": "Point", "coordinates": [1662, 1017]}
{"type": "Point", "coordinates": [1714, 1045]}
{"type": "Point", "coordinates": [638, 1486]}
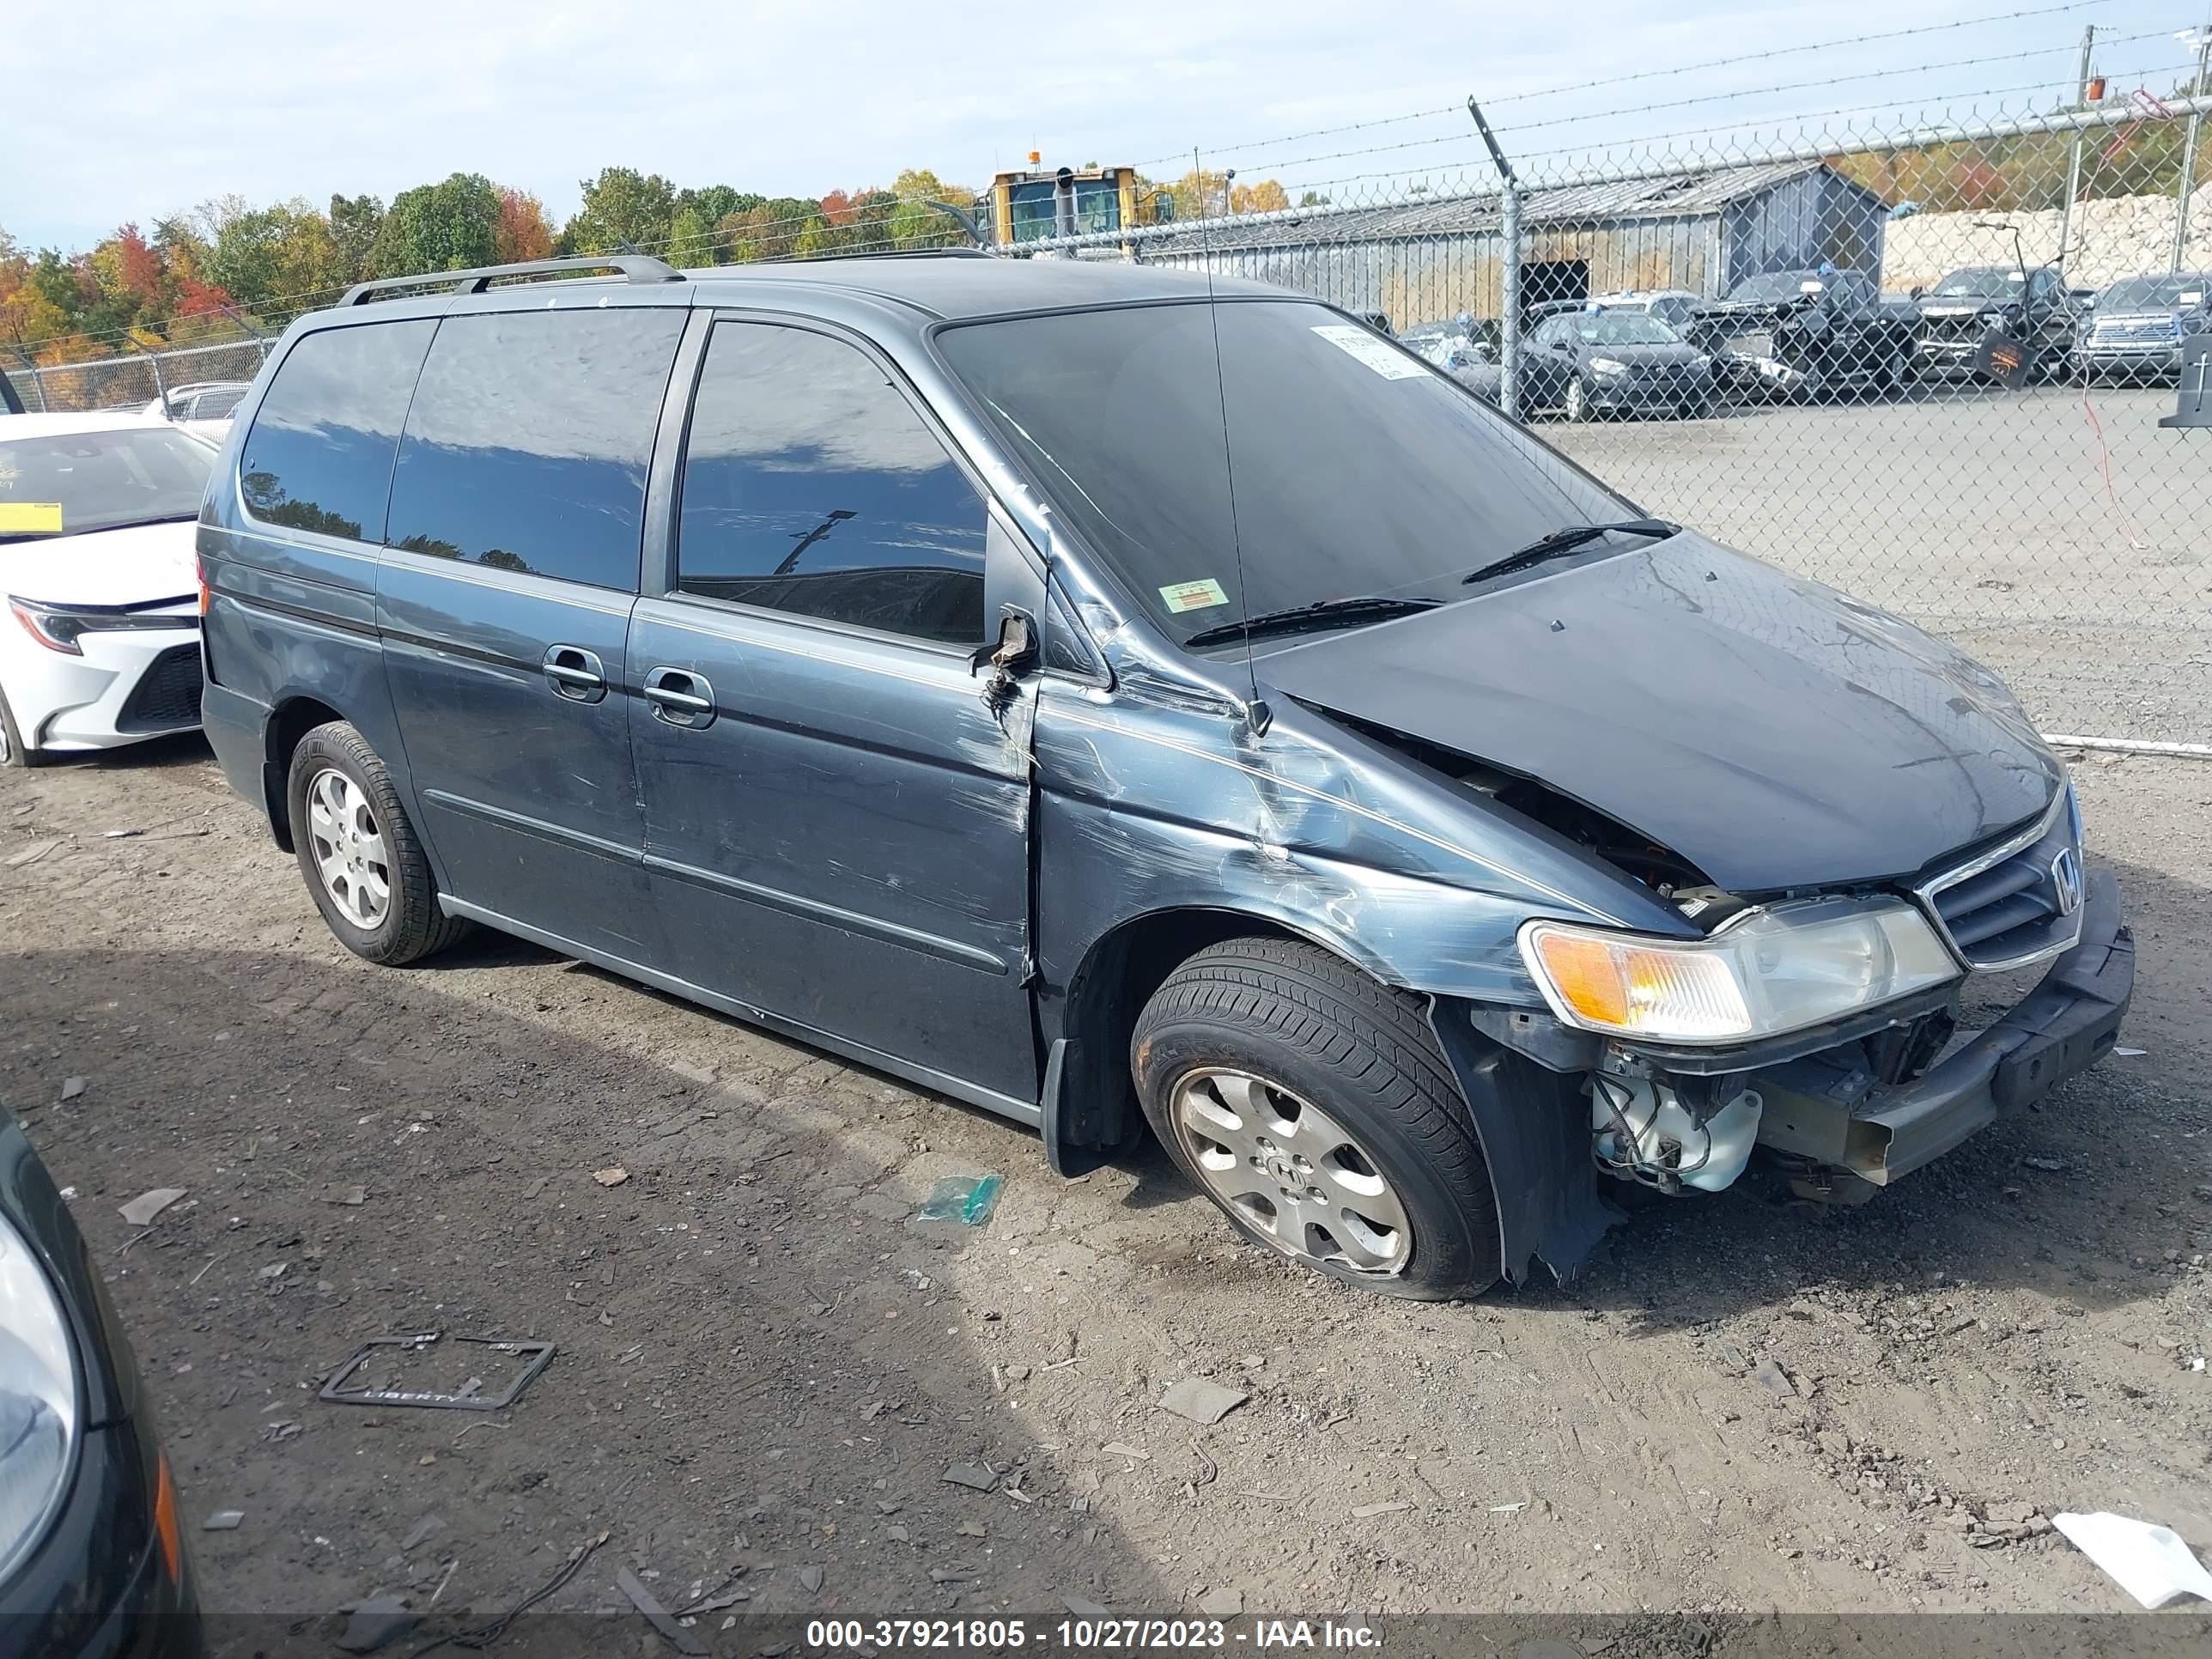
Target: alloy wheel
{"type": "Point", "coordinates": [1289, 1171]}
{"type": "Point", "coordinates": [349, 848]}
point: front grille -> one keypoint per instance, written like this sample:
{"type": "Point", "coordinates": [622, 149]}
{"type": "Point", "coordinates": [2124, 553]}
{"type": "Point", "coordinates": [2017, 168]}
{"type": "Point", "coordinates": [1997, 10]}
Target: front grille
{"type": "Point", "coordinates": [2019, 903]}
{"type": "Point", "coordinates": [1955, 328]}
{"type": "Point", "coordinates": [167, 696]}
{"type": "Point", "coordinates": [2161, 332]}
{"type": "Point", "coordinates": [1755, 343]}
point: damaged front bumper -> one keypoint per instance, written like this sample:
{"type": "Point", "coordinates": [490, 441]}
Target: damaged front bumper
{"type": "Point", "coordinates": [1828, 1112]}
{"type": "Point", "coordinates": [1823, 1112]}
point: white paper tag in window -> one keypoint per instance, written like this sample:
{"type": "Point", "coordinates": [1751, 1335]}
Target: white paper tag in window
{"type": "Point", "coordinates": [1356, 341]}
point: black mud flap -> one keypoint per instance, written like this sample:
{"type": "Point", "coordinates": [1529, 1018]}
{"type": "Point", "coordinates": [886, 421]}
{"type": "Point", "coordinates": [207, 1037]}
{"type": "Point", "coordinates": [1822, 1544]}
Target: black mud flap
{"type": "Point", "coordinates": [1084, 1123]}
{"type": "Point", "coordinates": [1534, 1127]}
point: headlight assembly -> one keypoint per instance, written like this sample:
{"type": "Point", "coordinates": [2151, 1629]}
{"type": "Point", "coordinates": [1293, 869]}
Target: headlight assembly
{"type": "Point", "coordinates": [60, 628]}
{"type": "Point", "coordinates": [1766, 972]}
{"type": "Point", "coordinates": [39, 1412]}
{"type": "Point", "coordinates": [1607, 366]}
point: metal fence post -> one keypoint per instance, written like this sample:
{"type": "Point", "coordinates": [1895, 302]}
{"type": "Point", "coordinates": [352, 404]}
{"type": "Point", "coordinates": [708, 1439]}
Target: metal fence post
{"type": "Point", "coordinates": [2073, 153]}
{"type": "Point", "coordinates": [2189, 145]}
{"type": "Point", "coordinates": [1509, 271]}
{"type": "Point", "coordinates": [160, 386]}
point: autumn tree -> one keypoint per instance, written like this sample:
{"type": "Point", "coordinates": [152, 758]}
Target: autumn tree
{"type": "Point", "coordinates": [520, 233]}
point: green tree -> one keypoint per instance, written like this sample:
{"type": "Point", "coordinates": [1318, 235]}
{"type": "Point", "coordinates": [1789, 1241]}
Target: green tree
{"type": "Point", "coordinates": [622, 207]}
{"type": "Point", "coordinates": [277, 259]}
{"type": "Point", "coordinates": [354, 221]}
{"type": "Point", "coordinates": [452, 226]}
{"type": "Point", "coordinates": [713, 204]}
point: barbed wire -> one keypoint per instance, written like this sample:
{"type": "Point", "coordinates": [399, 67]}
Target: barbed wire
{"type": "Point", "coordinates": [1462, 137]}
{"type": "Point", "coordinates": [1476, 160]}
{"type": "Point", "coordinates": [1646, 75]}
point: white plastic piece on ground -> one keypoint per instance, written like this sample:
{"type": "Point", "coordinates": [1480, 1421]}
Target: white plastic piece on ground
{"type": "Point", "coordinates": [2149, 1562]}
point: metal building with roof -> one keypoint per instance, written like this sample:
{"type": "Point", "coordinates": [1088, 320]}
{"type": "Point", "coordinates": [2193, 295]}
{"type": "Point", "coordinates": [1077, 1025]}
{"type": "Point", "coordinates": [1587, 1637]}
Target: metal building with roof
{"type": "Point", "coordinates": [1703, 230]}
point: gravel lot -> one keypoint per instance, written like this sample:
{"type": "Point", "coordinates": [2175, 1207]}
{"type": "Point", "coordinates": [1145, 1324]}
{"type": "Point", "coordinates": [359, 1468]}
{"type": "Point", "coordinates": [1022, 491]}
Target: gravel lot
{"type": "Point", "coordinates": [762, 1365]}
{"type": "Point", "coordinates": [2063, 537]}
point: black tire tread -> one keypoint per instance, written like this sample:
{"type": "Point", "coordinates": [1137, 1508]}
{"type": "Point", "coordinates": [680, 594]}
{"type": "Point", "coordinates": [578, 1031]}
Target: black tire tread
{"type": "Point", "coordinates": [425, 928]}
{"type": "Point", "coordinates": [1374, 1039]}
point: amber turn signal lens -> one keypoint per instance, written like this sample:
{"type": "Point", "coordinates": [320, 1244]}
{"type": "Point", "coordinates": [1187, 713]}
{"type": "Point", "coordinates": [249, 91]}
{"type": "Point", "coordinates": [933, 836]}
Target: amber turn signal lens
{"type": "Point", "coordinates": [165, 1520]}
{"type": "Point", "coordinates": [1586, 977]}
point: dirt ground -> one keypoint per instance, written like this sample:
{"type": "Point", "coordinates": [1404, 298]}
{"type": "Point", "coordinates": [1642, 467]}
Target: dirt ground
{"type": "Point", "coordinates": [1745, 1405]}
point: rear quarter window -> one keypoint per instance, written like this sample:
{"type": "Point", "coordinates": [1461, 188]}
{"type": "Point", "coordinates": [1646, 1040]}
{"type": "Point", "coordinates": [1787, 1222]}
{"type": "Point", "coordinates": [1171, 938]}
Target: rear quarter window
{"type": "Point", "coordinates": [528, 441]}
{"type": "Point", "coordinates": [319, 455]}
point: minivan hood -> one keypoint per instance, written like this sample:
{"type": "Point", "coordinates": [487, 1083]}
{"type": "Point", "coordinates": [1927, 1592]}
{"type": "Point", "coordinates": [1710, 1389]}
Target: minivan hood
{"type": "Point", "coordinates": [134, 565]}
{"type": "Point", "coordinates": [1773, 733]}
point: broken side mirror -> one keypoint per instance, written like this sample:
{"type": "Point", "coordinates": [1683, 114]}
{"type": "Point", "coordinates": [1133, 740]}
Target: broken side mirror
{"type": "Point", "coordinates": [1014, 653]}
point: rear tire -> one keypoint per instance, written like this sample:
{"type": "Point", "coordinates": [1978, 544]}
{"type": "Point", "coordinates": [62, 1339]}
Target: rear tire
{"type": "Point", "coordinates": [1312, 1105]}
{"type": "Point", "coordinates": [362, 861]}
{"type": "Point", "coordinates": [13, 750]}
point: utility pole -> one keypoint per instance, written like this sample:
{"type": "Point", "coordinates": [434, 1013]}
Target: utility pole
{"type": "Point", "coordinates": [2203, 45]}
{"type": "Point", "coordinates": [1509, 271]}
{"type": "Point", "coordinates": [2074, 152]}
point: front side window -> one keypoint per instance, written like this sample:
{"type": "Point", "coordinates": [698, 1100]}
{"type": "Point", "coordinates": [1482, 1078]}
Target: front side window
{"type": "Point", "coordinates": [66, 484]}
{"type": "Point", "coordinates": [319, 455]}
{"type": "Point", "coordinates": [1306, 461]}
{"type": "Point", "coordinates": [527, 444]}
{"type": "Point", "coordinates": [811, 485]}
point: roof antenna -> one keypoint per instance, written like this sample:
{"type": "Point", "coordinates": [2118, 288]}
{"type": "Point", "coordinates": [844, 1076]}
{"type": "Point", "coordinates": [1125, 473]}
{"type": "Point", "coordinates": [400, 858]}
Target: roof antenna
{"type": "Point", "coordinates": [1257, 715]}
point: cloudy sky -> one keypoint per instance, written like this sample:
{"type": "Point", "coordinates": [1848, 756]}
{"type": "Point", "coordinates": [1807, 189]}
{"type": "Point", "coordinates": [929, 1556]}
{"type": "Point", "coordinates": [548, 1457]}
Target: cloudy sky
{"type": "Point", "coordinates": [130, 109]}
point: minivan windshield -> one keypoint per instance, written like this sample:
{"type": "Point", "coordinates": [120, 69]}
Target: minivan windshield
{"type": "Point", "coordinates": [1359, 472]}
{"type": "Point", "coordinates": [102, 479]}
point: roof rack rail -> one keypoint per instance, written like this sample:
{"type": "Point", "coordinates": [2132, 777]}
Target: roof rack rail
{"type": "Point", "coordinates": [634, 267]}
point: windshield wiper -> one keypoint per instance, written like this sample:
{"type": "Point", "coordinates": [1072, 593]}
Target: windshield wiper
{"type": "Point", "coordinates": [1322, 614]}
{"type": "Point", "coordinates": [1566, 540]}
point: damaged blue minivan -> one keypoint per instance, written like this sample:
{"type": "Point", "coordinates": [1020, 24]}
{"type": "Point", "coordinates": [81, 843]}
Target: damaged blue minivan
{"type": "Point", "coordinates": [1123, 700]}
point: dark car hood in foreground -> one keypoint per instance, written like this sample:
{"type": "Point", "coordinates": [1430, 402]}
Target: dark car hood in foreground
{"type": "Point", "coordinates": [1772, 733]}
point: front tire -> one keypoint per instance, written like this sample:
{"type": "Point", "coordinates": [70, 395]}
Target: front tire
{"type": "Point", "coordinates": [1578, 400]}
{"type": "Point", "coordinates": [14, 752]}
{"type": "Point", "coordinates": [362, 861]}
{"type": "Point", "coordinates": [1313, 1107]}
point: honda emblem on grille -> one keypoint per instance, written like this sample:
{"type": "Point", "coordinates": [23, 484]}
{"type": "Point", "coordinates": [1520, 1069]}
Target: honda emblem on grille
{"type": "Point", "coordinates": [2066, 881]}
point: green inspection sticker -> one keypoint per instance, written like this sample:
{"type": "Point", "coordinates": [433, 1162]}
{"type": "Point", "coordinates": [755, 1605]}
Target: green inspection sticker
{"type": "Point", "coordinates": [1194, 596]}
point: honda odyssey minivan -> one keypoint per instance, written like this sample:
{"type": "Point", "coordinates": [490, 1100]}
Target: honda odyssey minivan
{"type": "Point", "coordinates": [1119, 698]}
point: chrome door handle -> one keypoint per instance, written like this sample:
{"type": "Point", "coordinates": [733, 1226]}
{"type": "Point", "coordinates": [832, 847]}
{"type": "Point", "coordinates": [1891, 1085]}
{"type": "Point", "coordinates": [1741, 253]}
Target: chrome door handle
{"type": "Point", "coordinates": [575, 673]}
{"type": "Point", "coordinates": [680, 698]}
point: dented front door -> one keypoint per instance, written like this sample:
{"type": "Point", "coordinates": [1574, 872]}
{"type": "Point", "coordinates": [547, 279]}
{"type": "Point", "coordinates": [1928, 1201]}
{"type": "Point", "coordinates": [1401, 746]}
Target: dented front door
{"type": "Point", "coordinates": [844, 844]}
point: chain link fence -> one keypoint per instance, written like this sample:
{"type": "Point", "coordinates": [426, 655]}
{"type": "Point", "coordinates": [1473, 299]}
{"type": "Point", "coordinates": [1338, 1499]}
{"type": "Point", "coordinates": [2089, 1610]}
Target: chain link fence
{"type": "Point", "coordinates": [131, 381]}
{"type": "Point", "coordinates": [1927, 367]}
{"type": "Point", "coordinates": [1924, 364]}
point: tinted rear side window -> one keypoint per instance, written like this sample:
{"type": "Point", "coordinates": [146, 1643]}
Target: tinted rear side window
{"type": "Point", "coordinates": [811, 485]}
{"type": "Point", "coordinates": [527, 444]}
{"type": "Point", "coordinates": [319, 455]}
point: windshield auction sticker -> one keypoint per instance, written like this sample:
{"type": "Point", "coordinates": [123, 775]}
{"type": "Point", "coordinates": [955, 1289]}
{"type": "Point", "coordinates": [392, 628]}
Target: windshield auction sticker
{"type": "Point", "coordinates": [30, 517]}
{"type": "Point", "coordinates": [1355, 341]}
{"type": "Point", "coordinates": [1194, 596]}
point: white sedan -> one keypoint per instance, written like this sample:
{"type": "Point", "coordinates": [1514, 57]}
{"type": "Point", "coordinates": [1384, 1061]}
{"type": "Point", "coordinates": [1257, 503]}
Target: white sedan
{"type": "Point", "coordinates": [101, 646]}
